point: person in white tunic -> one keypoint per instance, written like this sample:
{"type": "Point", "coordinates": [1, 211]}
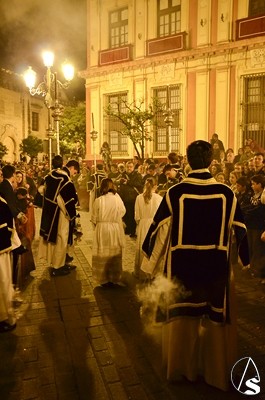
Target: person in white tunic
{"type": "Point", "coordinates": [9, 241]}
{"type": "Point", "coordinates": [146, 206]}
{"type": "Point", "coordinates": [109, 237]}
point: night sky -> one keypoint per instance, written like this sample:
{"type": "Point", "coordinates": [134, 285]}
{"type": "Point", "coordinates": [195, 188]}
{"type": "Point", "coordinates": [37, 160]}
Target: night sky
{"type": "Point", "coordinates": [27, 27]}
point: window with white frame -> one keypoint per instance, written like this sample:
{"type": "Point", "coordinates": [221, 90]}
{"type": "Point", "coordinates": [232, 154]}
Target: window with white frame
{"type": "Point", "coordinates": [118, 142]}
{"type": "Point", "coordinates": [253, 108]}
{"type": "Point", "coordinates": [169, 17]}
{"type": "Point", "coordinates": [118, 27]}
{"type": "Point", "coordinates": [170, 98]}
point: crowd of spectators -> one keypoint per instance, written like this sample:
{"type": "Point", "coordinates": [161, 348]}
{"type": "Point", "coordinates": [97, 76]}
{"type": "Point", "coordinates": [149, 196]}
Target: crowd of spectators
{"type": "Point", "coordinates": [238, 170]}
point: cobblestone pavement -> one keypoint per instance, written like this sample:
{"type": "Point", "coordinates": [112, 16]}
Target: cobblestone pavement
{"type": "Point", "coordinates": [76, 341]}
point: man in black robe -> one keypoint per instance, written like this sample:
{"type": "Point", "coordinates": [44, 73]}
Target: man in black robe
{"type": "Point", "coordinates": [189, 242]}
{"type": "Point", "coordinates": [58, 214]}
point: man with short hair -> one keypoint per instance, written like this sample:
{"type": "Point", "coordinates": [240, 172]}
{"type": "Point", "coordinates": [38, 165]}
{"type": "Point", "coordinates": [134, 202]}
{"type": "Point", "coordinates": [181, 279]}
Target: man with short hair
{"type": "Point", "coordinates": [259, 163]}
{"type": "Point", "coordinates": [174, 175]}
{"type": "Point", "coordinates": [189, 243]}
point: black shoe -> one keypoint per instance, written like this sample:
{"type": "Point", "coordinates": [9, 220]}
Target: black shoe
{"type": "Point", "coordinates": [20, 250]}
{"type": "Point", "coordinates": [59, 271]}
{"type": "Point", "coordinates": [6, 327]}
{"type": "Point", "coordinates": [107, 285]}
{"type": "Point", "coordinates": [68, 258]}
{"type": "Point", "coordinates": [69, 267]}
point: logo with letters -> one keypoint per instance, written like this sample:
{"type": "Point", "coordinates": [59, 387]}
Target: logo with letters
{"type": "Point", "coordinates": [245, 377]}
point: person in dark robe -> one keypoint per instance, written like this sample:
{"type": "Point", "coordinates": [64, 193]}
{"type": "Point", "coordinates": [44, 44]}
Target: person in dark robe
{"type": "Point", "coordinates": [189, 244]}
{"type": "Point", "coordinates": [58, 214]}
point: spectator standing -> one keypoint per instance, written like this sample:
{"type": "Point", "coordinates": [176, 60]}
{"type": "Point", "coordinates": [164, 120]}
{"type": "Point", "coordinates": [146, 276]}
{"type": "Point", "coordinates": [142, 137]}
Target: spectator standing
{"type": "Point", "coordinates": [189, 242]}
{"type": "Point", "coordinates": [130, 186]}
{"type": "Point", "coordinates": [232, 181]}
{"type": "Point", "coordinates": [108, 239]}
{"type": "Point", "coordinates": [146, 206]}
{"type": "Point", "coordinates": [78, 151]}
{"type": "Point", "coordinates": [215, 139]}
{"type": "Point", "coordinates": [7, 315]}
{"type": "Point", "coordinates": [151, 173]}
{"type": "Point", "coordinates": [255, 222]}
{"type": "Point", "coordinates": [26, 232]}
{"type": "Point", "coordinates": [247, 154]}
{"type": "Point", "coordinates": [173, 175]}
{"type": "Point", "coordinates": [259, 164]}
{"type": "Point", "coordinates": [136, 162]}
{"type": "Point", "coordinates": [7, 192]}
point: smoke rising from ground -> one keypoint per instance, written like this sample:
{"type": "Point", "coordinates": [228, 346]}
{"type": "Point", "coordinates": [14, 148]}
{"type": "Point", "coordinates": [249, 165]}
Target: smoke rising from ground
{"type": "Point", "coordinates": [160, 293]}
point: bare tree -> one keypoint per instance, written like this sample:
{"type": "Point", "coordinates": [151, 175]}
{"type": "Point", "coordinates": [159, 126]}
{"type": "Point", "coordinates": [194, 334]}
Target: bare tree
{"type": "Point", "coordinates": [136, 121]}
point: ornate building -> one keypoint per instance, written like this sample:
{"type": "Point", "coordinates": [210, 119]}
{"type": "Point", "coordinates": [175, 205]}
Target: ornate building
{"type": "Point", "coordinates": [20, 114]}
{"type": "Point", "coordinates": [204, 59]}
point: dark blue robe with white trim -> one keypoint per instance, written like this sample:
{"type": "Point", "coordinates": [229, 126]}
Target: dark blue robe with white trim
{"type": "Point", "coordinates": [202, 213]}
{"type": "Point", "coordinates": [56, 183]}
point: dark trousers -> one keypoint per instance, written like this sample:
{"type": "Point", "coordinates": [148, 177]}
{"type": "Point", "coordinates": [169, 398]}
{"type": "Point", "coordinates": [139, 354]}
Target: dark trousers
{"type": "Point", "coordinates": [129, 218]}
{"type": "Point", "coordinates": [256, 252]}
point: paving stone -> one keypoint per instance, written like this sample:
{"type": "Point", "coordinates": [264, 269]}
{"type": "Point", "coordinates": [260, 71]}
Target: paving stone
{"type": "Point", "coordinates": [137, 392]}
{"type": "Point", "coordinates": [94, 332]}
{"type": "Point", "coordinates": [118, 392]}
{"type": "Point", "coordinates": [99, 344]}
{"type": "Point", "coordinates": [30, 388]}
{"type": "Point", "coordinates": [104, 357]}
{"type": "Point", "coordinates": [129, 376]}
{"type": "Point", "coordinates": [110, 373]}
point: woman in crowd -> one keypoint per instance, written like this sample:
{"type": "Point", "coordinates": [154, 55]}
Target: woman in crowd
{"type": "Point", "coordinates": [146, 205]}
{"type": "Point", "coordinates": [26, 232]}
{"type": "Point", "coordinates": [109, 238]}
{"type": "Point", "coordinates": [232, 181]}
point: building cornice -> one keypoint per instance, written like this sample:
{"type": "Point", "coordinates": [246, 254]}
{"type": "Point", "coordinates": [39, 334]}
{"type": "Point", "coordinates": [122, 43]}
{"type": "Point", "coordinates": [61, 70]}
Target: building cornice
{"type": "Point", "coordinates": [178, 56]}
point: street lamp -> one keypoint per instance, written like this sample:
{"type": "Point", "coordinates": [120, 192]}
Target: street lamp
{"type": "Point", "coordinates": [169, 119]}
{"type": "Point", "coordinates": [49, 90]}
{"type": "Point", "coordinates": [94, 135]}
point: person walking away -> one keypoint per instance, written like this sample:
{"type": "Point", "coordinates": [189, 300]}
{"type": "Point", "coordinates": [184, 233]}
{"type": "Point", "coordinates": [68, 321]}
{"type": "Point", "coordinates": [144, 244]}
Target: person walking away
{"type": "Point", "coordinates": [189, 243]}
{"type": "Point", "coordinates": [108, 239]}
{"type": "Point", "coordinates": [146, 205]}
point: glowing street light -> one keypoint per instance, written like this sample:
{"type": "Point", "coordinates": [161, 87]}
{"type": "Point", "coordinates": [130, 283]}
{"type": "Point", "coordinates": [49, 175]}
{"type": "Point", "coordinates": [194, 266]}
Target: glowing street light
{"type": "Point", "coordinates": [49, 89]}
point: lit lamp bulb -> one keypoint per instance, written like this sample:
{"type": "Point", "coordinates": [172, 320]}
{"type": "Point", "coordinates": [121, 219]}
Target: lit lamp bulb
{"type": "Point", "coordinates": [48, 58]}
{"type": "Point", "coordinates": [68, 71]}
{"type": "Point", "coordinates": [30, 78]}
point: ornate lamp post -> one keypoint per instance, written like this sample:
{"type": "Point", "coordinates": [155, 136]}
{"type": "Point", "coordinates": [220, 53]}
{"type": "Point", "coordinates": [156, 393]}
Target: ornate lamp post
{"type": "Point", "coordinates": [169, 119]}
{"type": "Point", "coordinates": [49, 90]}
{"type": "Point", "coordinates": [94, 136]}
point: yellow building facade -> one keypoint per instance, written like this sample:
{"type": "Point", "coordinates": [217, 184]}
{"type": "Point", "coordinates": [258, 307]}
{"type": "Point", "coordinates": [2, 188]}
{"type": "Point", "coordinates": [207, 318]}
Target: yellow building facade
{"type": "Point", "coordinates": [203, 59]}
{"type": "Point", "coordinates": [20, 115]}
